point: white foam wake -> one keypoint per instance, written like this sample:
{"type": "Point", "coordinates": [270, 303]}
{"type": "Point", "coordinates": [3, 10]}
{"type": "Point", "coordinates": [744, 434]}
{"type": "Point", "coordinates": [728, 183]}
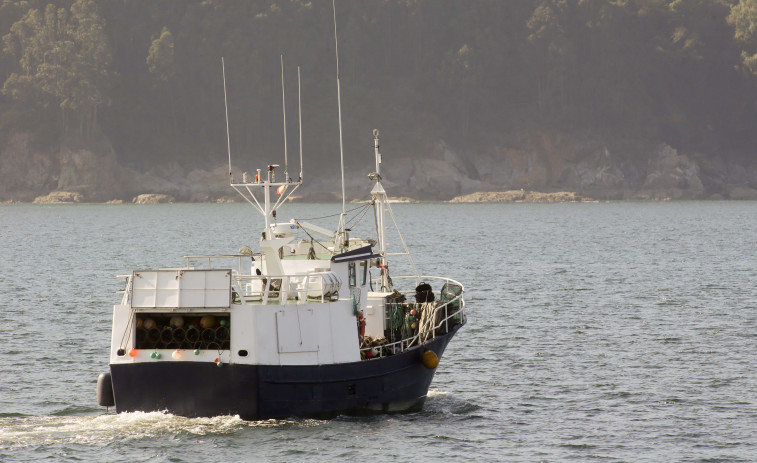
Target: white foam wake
{"type": "Point", "coordinates": [102, 429]}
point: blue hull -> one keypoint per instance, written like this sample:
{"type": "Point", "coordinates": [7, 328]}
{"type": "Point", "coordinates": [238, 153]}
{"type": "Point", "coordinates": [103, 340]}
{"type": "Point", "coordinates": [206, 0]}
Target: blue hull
{"type": "Point", "coordinates": [397, 383]}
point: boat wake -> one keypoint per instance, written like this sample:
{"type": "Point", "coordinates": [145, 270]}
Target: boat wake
{"type": "Point", "coordinates": [22, 432]}
{"type": "Point", "coordinates": [447, 403]}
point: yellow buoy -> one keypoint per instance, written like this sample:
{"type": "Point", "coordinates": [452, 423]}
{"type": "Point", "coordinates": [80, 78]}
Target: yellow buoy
{"type": "Point", "coordinates": [429, 359]}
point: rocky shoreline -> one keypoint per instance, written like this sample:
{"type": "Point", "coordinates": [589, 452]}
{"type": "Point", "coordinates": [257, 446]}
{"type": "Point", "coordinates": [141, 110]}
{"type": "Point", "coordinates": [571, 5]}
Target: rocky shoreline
{"type": "Point", "coordinates": [555, 168]}
{"type": "Point", "coordinates": [511, 196]}
{"type": "Point", "coordinates": [521, 196]}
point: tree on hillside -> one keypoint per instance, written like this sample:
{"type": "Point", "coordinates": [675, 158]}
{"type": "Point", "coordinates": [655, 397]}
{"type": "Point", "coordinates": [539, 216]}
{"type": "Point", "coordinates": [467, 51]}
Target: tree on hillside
{"type": "Point", "coordinates": [62, 59]}
{"type": "Point", "coordinates": [743, 18]}
{"type": "Point", "coordinates": [160, 56]}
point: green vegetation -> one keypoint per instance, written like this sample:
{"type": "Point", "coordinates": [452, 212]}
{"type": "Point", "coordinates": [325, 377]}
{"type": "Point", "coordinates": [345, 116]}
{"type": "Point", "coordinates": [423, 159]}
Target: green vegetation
{"type": "Point", "coordinates": [147, 73]}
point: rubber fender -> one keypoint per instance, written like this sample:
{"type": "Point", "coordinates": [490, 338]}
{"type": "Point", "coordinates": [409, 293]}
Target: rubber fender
{"type": "Point", "coordinates": [105, 390]}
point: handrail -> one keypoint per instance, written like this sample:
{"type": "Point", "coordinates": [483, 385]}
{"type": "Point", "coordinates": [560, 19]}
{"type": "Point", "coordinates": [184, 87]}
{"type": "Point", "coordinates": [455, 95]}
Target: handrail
{"type": "Point", "coordinates": [426, 277]}
{"type": "Point", "coordinates": [407, 343]}
{"type": "Point", "coordinates": [210, 257]}
{"type": "Point", "coordinates": [273, 288]}
{"type": "Point", "coordinates": [127, 289]}
{"type": "Point", "coordinates": [278, 288]}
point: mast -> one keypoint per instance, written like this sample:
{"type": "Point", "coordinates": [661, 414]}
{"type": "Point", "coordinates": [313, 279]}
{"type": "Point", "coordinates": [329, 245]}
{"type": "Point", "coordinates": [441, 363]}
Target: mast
{"type": "Point", "coordinates": [379, 204]}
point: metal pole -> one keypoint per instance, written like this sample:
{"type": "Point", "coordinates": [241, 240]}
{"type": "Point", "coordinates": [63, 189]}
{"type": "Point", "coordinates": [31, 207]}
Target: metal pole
{"type": "Point", "coordinates": [339, 102]}
{"type": "Point", "coordinates": [226, 105]}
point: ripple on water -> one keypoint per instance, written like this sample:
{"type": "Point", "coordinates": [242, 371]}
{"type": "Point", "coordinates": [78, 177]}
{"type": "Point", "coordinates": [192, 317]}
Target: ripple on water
{"type": "Point", "coordinates": [611, 331]}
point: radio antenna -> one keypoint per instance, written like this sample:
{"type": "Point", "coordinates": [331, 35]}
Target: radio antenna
{"type": "Point", "coordinates": [284, 107]}
{"type": "Point", "coordinates": [339, 102]}
{"type": "Point", "coordinates": [299, 114]}
{"type": "Point", "coordinates": [226, 105]}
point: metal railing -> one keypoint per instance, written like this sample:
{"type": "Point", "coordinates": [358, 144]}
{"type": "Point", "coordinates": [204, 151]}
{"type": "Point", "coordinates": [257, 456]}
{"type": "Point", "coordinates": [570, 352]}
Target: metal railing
{"type": "Point", "coordinates": [261, 289]}
{"type": "Point", "coordinates": [194, 261]}
{"type": "Point", "coordinates": [272, 289]}
{"type": "Point", "coordinates": [431, 333]}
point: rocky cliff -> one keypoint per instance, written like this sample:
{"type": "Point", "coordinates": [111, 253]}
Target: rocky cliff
{"type": "Point", "coordinates": [90, 172]}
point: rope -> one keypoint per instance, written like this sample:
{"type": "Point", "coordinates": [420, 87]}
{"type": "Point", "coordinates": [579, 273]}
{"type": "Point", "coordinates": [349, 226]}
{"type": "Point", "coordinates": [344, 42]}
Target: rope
{"type": "Point", "coordinates": [427, 323]}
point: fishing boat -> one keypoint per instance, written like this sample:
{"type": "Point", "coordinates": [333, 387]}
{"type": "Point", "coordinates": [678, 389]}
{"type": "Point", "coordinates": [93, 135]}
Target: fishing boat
{"type": "Point", "coordinates": [310, 327]}
{"type": "Point", "coordinates": [306, 326]}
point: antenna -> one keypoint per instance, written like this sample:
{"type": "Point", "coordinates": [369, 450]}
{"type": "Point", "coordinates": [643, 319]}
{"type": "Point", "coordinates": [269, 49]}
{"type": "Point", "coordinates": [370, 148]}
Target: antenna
{"type": "Point", "coordinates": [339, 102]}
{"type": "Point", "coordinates": [284, 107]}
{"type": "Point", "coordinates": [226, 105]}
{"type": "Point", "coordinates": [299, 114]}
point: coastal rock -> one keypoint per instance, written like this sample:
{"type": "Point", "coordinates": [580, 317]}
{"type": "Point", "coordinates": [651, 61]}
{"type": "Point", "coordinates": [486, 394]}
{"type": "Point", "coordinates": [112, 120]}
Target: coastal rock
{"type": "Point", "coordinates": [600, 172]}
{"type": "Point", "coordinates": [206, 186]}
{"type": "Point", "coordinates": [519, 196]}
{"type": "Point", "coordinates": [25, 171]}
{"type": "Point", "coordinates": [513, 168]}
{"type": "Point", "coordinates": [59, 197]}
{"type": "Point", "coordinates": [135, 183]}
{"type": "Point", "coordinates": [434, 178]}
{"type": "Point", "coordinates": [152, 198]}
{"type": "Point", "coordinates": [671, 176]}
{"type": "Point", "coordinates": [742, 193]}
{"type": "Point", "coordinates": [550, 161]}
{"type": "Point", "coordinates": [88, 172]}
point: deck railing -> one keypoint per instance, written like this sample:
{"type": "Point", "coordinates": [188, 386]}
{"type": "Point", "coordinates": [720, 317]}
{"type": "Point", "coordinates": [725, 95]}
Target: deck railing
{"type": "Point", "coordinates": [448, 319]}
{"type": "Point", "coordinates": [280, 289]}
{"type": "Point", "coordinates": [271, 289]}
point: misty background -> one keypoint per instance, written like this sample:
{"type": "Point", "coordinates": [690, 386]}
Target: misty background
{"type": "Point", "coordinates": [647, 99]}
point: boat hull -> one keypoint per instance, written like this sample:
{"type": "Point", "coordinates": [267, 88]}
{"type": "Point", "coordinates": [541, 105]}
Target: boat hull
{"type": "Point", "coordinates": [397, 383]}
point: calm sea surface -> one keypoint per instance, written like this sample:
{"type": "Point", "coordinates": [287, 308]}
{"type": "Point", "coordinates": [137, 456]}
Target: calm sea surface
{"type": "Point", "coordinates": [597, 332]}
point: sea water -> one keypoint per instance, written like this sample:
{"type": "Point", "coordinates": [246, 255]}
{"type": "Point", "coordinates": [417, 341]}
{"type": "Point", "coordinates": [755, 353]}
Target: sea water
{"type": "Point", "coordinates": [596, 332]}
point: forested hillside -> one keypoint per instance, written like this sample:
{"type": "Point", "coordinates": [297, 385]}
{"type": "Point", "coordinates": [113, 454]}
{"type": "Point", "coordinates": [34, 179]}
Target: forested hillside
{"type": "Point", "coordinates": [603, 96]}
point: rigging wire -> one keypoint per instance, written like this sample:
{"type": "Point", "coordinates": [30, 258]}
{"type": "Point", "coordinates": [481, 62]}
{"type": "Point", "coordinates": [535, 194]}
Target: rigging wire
{"type": "Point", "coordinates": [329, 216]}
{"type": "Point", "coordinates": [359, 217]}
{"type": "Point", "coordinates": [313, 240]}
